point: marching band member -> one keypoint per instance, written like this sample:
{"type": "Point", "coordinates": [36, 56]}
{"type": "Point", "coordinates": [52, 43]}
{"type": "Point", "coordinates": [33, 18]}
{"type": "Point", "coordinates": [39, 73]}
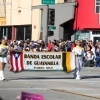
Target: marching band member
{"type": "Point", "coordinates": [3, 58]}
{"type": "Point", "coordinates": [79, 52]}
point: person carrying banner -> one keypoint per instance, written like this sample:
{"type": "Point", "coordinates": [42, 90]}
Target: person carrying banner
{"type": "Point", "coordinates": [79, 53]}
{"type": "Point", "coordinates": [3, 57]}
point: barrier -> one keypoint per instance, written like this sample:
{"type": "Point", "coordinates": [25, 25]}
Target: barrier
{"type": "Point", "coordinates": [42, 61]}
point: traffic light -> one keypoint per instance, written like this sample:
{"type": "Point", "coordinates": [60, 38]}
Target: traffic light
{"type": "Point", "coordinates": [50, 33]}
{"type": "Point", "coordinates": [51, 17]}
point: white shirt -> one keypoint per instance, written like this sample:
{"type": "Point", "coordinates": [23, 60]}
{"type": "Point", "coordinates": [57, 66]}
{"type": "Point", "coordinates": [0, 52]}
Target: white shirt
{"type": "Point", "coordinates": [78, 51]}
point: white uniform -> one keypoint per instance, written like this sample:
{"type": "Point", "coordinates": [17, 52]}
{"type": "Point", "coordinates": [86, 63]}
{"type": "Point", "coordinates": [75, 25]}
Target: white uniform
{"type": "Point", "coordinates": [3, 58]}
{"type": "Point", "coordinates": [79, 52]}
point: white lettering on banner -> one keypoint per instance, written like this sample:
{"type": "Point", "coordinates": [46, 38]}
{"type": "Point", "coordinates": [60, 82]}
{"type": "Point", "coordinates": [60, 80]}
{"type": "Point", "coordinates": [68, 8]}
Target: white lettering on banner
{"type": "Point", "coordinates": [43, 60]}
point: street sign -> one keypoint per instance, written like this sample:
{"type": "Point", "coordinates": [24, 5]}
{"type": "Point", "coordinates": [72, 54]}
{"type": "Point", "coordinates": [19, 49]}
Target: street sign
{"type": "Point", "coordinates": [48, 2]}
{"type": "Point", "coordinates": [50, 27]}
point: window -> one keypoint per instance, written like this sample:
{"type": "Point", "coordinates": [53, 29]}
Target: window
{"type": "Point", "coordinates": [97, 6]}
{"type": "Point", "coordinates": [24, 32]}
{"type": "Point", "coordinates": [65, 0]}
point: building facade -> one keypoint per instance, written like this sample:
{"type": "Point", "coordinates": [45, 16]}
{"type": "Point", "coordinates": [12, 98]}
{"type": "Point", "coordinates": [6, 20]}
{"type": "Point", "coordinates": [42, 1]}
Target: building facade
{"type": "Point", "coordinates": [15, 19]}
{"type": "Point", "coordinates": [19, 22]}
{"type": "Point", "coordinates": [87, 20]}
{"type": "Point", "coordinates": [63, 21]}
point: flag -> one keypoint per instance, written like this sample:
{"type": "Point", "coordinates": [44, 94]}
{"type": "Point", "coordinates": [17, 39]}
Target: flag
{"type": "Point", "coordinates": [68, 61]}
{"type": "Point", "coordinates": [16, 61]}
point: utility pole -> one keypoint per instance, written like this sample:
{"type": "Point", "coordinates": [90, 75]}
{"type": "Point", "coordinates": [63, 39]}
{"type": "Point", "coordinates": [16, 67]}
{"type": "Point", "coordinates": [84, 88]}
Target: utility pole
{"type": "Point", "coordinates": [47, 19]}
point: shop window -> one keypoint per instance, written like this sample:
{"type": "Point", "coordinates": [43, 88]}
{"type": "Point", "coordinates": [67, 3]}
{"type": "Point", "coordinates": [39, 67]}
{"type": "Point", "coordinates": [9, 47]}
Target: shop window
{"type": "Point", "coordinates": [97, 6]}
{"type": "Point", "coordinates": [65, 0]}
{"type": "Point", "coordinates": [82, 35]}
{"type": "Point", "coordinates": [28, 32]}
{"type": "Point", "coordinates": [1, 32]}
{"type": "Point", "coordinates": [20, 33]}
{"type": "Point", "coordinates": [9, 33]}
{"type": "Point", "coordinates": [96, 32]}
{"type": "Point", "coordinates": [4, 31]}
{"type": "Point", "coordinates": [23, 32]}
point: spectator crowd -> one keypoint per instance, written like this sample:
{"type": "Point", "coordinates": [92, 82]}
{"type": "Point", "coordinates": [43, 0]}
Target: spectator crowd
{"type": "Point", "coordinates": [91, 55]}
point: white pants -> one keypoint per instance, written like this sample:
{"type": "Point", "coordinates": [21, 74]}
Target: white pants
{"type": "Point", "coordinates": [78, 67]}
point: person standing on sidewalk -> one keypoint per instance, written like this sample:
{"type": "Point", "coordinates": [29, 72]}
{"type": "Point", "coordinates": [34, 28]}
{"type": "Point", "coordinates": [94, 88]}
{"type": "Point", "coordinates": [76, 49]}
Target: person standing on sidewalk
{"type": "Point", "coordinates": [3, 58]}
{"type": "Point", "coordinates": [79, 52]}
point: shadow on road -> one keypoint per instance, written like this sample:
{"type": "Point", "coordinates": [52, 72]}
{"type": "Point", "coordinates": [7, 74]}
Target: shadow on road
{"type": "Point", "coordinates": [39, 78]}
{"type": "Point", "coordinates": [88, 77]}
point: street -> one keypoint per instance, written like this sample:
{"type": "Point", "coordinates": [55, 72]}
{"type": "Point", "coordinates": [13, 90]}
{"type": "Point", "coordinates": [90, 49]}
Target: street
{"type": "Point", "coordinates": [53, 85]}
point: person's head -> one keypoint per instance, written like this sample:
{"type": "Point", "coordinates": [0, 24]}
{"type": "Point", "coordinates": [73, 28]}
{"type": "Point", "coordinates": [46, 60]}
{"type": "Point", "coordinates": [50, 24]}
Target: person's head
{"type": "Point", "coordinates": [3, 41]}
{"type": "Point", "coordinates": [78, 43]}
{"type": "Point", "coordinates": [62, 44]}
{"type": "Point", "coordinates": [25, 44]}
{"type": "Point", "coordinates": [52, 43]}
{"type": "Point", "coordinates": [88, 48]}
{"type": "Point", "coordinates": [49, 41]}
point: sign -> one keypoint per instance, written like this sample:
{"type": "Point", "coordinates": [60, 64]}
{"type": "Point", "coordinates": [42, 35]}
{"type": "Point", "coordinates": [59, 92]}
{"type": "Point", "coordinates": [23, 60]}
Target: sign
{"type": "Point", "coordinates": [43, 61]}
{"type": "Point", "coordinates": [51, 27]}
{"type": "Point", "coordinates": [30, 96]}
{"type": "Point", "coordinates": [48, 2]}
{"type": "Point", "coordinates": [2, 21]}
{"type": "Point", "coordinates": [82, 35]}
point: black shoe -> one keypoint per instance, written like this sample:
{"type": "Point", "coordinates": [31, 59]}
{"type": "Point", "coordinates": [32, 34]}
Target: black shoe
{"type": "Point", "coordinates": [3, 80]}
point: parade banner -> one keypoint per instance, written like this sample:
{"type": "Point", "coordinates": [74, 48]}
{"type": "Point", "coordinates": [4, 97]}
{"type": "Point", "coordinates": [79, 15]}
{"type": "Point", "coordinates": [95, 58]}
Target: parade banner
{"type": "Point", "coordinates": [43, 61]}
{"type": "Point", "coordinates": [30, 96]}
{"type": "Point", "coordinates": [47, 61]}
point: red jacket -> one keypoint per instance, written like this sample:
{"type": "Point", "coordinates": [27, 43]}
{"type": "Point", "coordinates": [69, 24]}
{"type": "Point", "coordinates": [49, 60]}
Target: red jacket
{"type": "Point", "coordinates": [50, 46]}
{"type": "Point", "coordinates": [72, 46]}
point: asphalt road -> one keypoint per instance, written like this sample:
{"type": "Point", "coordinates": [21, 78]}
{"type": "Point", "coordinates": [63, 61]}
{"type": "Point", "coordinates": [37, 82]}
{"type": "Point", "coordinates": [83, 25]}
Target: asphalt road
{"type": "Point", "coordinates": [52, 85]}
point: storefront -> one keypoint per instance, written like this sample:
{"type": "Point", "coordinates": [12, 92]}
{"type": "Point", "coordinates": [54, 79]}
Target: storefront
{"type": "Point", "coordinates": [6, 32]}
{"type": "Point", "coordinates": [87, 17]}
{"type": "Point", "coordinates": [82, 35]}
{"type": "Point", "coordinates": [23, 32]}
{"type": "Point", "coordinates": [95, 36]}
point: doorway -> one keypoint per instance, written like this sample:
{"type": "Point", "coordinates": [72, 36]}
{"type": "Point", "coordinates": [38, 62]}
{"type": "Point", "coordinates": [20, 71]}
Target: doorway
{"type": "Point", "coordinates": [5, 32]}
{"type": "Point", "coordinates": [68, 29]}
{"type": "Point", "coordinates": [96, 38]}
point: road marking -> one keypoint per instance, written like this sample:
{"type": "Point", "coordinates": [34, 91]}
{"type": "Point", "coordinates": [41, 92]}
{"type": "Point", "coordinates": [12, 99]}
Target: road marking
{"type": "Point", "coordinates": [64, 91]}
